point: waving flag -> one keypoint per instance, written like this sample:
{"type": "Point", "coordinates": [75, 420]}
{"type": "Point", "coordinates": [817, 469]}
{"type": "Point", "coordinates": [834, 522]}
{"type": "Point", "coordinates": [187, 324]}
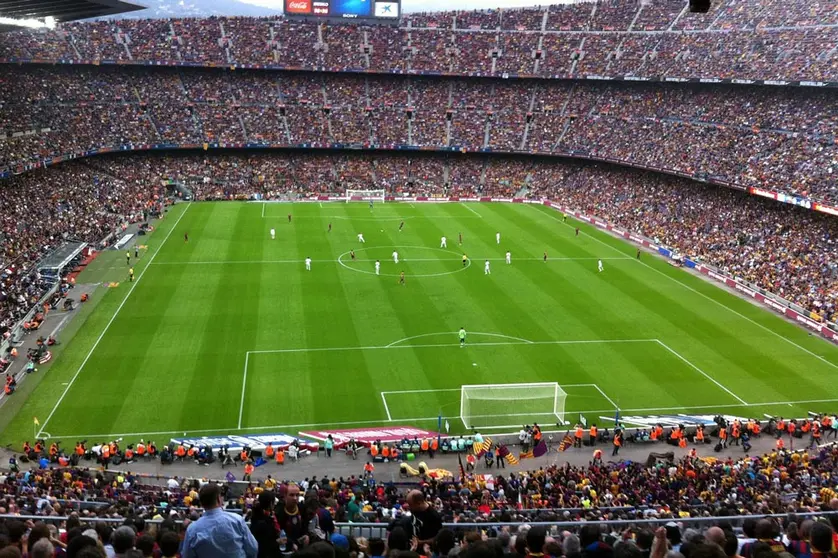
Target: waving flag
{"type": "Point", "coordinates": [540, 448]}
{"type": "Point", "coordinates": [504, 453]}
{"type": "Point", "coordinates": [567, 442]}
{"type": "Point", "coordinates": [482, 447]}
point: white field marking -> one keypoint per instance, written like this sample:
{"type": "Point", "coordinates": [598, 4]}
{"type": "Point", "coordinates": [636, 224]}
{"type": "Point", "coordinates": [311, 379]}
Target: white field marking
{"type": "Point", "coordinates": [386, 408]}
{"type": "Point", "coordinates": [711, 299]}
{"type": "Point", "coordinates": [470, 209]}
{"type": "Point", "coordinates": [281, 427]}
{"type": "Point", "coordinates": [21, 375]}
{"type": "Point", "coordinates": [368, 272]}
{"type": "Point", "coordinates": [115, 314]}
{"type": "Point", "coordinates": [700, 371]}
{"type": "Point", "coordinates": [365, 260]}
{"type": "Point", "coordinates": [492, 344]}
{"type": "Point", "coordinates": [599, 389]}
{"type": "Point", "coordinates": [455, 333]}
{"type": "Point", "coordinates": [244, 385]}
{"type": "Point", "coordinates": [459, 389]}
{"type": "Point", "coordinates": [263, 210]}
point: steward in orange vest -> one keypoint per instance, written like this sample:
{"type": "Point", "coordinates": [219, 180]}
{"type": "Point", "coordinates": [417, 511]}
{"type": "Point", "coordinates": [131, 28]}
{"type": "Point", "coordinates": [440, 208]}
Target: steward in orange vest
{"type": "Point", "coordinates": [593, 432]}
{"type": "Point", "coordinates": [577, 436]}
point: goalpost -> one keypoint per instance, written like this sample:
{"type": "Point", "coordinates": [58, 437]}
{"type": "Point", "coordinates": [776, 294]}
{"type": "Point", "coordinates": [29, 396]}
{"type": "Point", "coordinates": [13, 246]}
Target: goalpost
{"type": "Point", "coordinates": [511, 405]}
{"type": "Point", "coordinates": [365, 195]}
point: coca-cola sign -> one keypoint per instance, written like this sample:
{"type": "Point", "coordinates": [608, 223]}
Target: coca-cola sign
{"type": "Point", "coordinates": [298, 6]}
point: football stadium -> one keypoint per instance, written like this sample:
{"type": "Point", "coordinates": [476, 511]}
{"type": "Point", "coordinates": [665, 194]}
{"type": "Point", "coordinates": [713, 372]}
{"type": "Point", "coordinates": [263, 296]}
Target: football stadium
{"type": "Point", "coordinates": [489, 274]}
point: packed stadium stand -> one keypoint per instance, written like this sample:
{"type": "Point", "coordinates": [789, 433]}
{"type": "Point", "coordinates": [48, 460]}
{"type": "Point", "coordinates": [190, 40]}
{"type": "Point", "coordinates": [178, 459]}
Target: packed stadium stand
{"type": "Point", "coordinates": [653, 118]}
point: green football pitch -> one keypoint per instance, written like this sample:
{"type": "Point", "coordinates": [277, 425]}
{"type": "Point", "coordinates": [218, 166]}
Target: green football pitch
{"type": "Point", "coordinates": [228, 333]}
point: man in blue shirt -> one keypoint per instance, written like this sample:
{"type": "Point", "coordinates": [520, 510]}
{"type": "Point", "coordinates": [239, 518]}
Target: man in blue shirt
{"type": "Point", "coordinates": [217, 534]}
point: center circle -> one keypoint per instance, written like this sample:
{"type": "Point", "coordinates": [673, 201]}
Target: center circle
{"type": "Point", "coordinates": [411, 248]}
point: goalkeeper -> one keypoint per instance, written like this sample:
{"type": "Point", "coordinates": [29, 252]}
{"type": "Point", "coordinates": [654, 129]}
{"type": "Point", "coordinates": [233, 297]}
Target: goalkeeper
{"type": "Point", "coordinates": [462, 335]}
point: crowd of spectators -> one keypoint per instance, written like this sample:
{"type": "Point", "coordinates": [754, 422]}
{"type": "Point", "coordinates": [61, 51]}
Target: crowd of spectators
{"type": "Point", "coordinates": [738, 39]}
{"type": "Point", "coordinates": [40, 211]}
{"type": "Point", "coordinates": [777, 139]}
{"type": "Point", "coordinates": [286, 516]}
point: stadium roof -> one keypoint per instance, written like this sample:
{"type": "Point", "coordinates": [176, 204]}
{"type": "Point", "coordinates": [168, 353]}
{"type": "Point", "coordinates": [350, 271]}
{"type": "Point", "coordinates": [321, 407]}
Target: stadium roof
{"type": "Point", "coordinates": [60, 10]}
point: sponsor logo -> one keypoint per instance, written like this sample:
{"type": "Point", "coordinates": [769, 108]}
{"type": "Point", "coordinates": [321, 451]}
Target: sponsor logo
{"type": "Point", "coordinates": [775, 305]}
{"type": "Point", "coordinates": [742, 288]}
{"type": "Point", "coordinates": [775, 82]}
{"type": "Point", "coordinates": [298, 6]}
{"type": "Point", "coordinates": [813, 83]}
{"type": "Point", "coordinates": [604, 78]}
{"type": "Point", "coordinates": [742, 81]}
{"type": "Point", "coordinates": [826, 209]}
{"type": "Point", "coordinates": [763, 193]}
{"type": "Point", "coordinates": [676, 79]}
{"type": "Point", "coordinates": [709, 80]}
{"type": "Point", "coordinates": [635, 78]}
{"type": "Point", "coordinates": [387, 9]}
{"type": "Point", "coordinates": [235, 442]}
{"type": "Point", "coordinates": [716, 276]}
{"type": "Point", "coordinates": [806, 321]}
{"type": "Point", "coordinates": [648, 421]}
{"type": "Point", "coordinates": [369, 435]}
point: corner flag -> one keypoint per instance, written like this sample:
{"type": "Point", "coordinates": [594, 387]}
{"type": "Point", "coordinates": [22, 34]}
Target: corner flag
{"type": "Point", "coordinates": [37, 423]}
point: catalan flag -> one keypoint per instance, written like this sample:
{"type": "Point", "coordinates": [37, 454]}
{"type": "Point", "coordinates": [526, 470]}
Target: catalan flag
{"type": "Point", "coordinates": [567, 442]}
{"type": "Point", "coordinates": [504, 453]}
{"type": "Point", "coordinates": [462, 469]}
{"type": "Point", "coordinates": [540, 448]}
{"type": "Point", "coordinates": [481, 446]}
{"type": "Point", "coordinates": [526, 455]}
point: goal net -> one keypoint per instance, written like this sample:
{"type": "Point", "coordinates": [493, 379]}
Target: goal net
{"type": "Point", "coordinates": [365, 195]}
{"type": "Point", "coordinates": [511, 405]}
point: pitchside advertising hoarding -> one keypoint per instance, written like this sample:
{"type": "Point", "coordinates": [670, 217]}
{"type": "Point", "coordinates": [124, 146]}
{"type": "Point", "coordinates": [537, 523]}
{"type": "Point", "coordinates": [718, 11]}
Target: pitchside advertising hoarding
{"type": "Point", "coordinates": [384, 10]}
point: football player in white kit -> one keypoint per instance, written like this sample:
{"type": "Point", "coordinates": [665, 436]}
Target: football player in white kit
{"type": "Point", "coordinates": [443, 242]}
{"type": "Point", "coordinates": [497, 237]}
{"type": "Point", "coordinates": [599, 265]}
{"type": "Point", "coordinates": [273, 234]}
{"type": "Point", "coordinates": [377, 267]}
{"type": "Point", "coordinates": [395, 256]}
{"type": "Point", "coordinates": [486, 270]}
{"type": "Point", "coordinates": [361, 238]}
{"type": "Point", "coordinates": [508, 257]}
{"type": "Point", "coordinates": [308, 264]}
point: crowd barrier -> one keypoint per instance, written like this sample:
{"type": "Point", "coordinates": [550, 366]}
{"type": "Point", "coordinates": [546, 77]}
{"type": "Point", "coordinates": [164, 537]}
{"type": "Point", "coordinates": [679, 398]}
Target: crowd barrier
{"type": "Point", "coordinates": [371, 530]}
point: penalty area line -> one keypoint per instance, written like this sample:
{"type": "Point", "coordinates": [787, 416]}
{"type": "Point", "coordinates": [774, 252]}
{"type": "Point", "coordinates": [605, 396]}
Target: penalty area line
{"type": "Point", "coordinates": [386, 408]}
{"type": "Point", "coordinates": [115, 314]}
{"type": "Point", "coordinates": [700, 371]}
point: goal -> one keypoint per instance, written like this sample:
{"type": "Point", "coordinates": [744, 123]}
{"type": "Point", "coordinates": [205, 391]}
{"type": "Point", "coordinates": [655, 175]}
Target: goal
{"type": "Point", "coordinates": [365, 195]}
{"type": "Point", "coordinates": [511, 405]}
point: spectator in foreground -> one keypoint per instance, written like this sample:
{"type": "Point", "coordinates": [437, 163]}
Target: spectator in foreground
{"type": "Point", "coordinates": [217, 534]}
{"type": "Point", "coordinates": [426, 521]}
